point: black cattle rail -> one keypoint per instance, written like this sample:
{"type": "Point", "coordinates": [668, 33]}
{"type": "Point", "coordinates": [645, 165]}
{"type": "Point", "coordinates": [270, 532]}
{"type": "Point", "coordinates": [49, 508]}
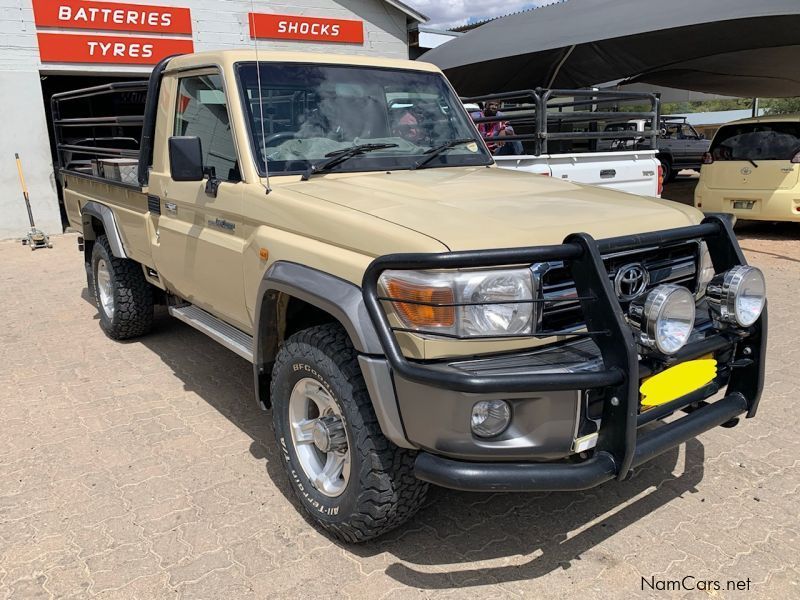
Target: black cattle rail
{"type": "Point", "coordinates": [619, 447]}
{"type": "Point", "coordinates": [575, 115]}
{"type": "Point", "coordinates": [95, 130]}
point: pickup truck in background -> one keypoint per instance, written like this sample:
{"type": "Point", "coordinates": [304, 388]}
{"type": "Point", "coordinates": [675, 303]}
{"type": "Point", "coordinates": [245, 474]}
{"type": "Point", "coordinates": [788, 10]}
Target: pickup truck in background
{"type": "Point", "coordinates": [563, 134]}
{"type": "Point", "coordinates": [678, 143]}
{"type": "Point", "coordinates": [413, 314]}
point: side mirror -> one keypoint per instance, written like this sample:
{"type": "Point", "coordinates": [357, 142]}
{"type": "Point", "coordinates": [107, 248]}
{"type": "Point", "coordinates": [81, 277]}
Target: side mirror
{"type": "Point", "coordinates": [186, 158]}
{"type": "Point", "coordinates": [701, 136]}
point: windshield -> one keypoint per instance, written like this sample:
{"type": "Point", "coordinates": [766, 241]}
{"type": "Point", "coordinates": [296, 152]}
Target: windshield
{"type": "Point", "coordinates": [311, 110]}
{"type": "Point", "coordinates": [757, 141]}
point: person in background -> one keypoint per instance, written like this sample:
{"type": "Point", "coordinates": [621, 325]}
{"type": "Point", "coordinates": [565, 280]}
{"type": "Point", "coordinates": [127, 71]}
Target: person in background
{"type": "Point", "coordinates": [496, 129]}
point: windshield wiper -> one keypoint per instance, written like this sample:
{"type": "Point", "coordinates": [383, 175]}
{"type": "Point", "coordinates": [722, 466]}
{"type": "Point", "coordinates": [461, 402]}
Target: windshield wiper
{"type": "Point", "coordinates": [752, 162]}
{"type": "Point", "coordinates": [337, 157]}
{"type": "Point", "coordinates": [432, 153]}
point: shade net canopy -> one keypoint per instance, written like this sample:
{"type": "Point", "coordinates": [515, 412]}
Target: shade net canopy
{"type": "Point", "coordinates": [744, 48]}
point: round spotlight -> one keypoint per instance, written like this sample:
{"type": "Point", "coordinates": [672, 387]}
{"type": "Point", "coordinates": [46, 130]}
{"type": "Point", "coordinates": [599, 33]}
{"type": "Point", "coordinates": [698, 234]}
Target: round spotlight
{"type": "Point", "coordinates": [490, 417]}
{"type": "Point", "coordinates": [738, 296]}
{"type": "Point", "coordinates": [665, 319]}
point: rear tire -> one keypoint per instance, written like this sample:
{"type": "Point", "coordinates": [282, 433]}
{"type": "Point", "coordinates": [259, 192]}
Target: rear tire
{"type": "Point", "coordinates": [669, 173]}
{"type": "Point", "coordinates": [316, 378]}
{"type": "Point", "coordinates": [124, 298]}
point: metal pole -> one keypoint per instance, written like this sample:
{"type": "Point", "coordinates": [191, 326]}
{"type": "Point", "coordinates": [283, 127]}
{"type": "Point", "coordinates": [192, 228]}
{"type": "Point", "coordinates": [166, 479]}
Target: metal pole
{"type": "Point", "coordinates": [24, 190]}
{"type": "Point", "coordinates": [755, 107]}
{"type": "Point", "coordinates": [656, 124]}
{"type": "Point", "coordinates": [544, 98]}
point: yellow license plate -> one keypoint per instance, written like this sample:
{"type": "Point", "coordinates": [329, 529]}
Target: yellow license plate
{"type": "Point", "coordinates": [677, 381]}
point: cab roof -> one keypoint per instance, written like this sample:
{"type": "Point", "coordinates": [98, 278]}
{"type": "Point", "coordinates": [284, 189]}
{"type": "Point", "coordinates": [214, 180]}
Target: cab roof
{"type": "Point", "coordinates": [229, 57]}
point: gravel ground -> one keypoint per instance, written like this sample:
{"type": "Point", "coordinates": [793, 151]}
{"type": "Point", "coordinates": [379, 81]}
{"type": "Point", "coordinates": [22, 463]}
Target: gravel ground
{"type": "Point", "coordinates": [144, 470]}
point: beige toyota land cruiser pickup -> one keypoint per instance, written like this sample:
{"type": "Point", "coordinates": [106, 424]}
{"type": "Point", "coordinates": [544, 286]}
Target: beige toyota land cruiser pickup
{"type": "Point", "coordinates": [414, 314]}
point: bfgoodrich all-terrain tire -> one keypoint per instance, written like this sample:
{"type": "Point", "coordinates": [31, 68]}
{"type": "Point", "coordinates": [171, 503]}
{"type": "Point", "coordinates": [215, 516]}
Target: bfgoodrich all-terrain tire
{"type": "Point", "coordinates": [123, 296]}
{"type": "Point", "coordinates": [349, 478]}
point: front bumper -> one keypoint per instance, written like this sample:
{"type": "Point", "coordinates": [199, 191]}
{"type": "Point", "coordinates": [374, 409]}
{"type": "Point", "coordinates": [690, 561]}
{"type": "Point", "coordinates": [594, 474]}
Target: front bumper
{"type": "Point", "coordinates": [623, 441]}
{"type": "Point", "coordinates": [566, 477]}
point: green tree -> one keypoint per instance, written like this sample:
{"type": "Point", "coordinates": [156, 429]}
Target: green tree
{"type": "Point", "coordinates": [705, 106]}
{"type": "Point", "coordinates": [773, 106]}
{"type": "Point", "coordinates": [780, 106]}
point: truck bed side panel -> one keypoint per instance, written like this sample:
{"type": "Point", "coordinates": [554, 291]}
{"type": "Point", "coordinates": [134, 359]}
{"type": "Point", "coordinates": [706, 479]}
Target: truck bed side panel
{"type": "Point", "coordinates": [129, 205]}
{"type": "Point", "coordinates": [632, 172]}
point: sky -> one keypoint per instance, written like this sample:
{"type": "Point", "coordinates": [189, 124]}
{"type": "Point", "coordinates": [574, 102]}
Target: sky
{"type": "Point", "coordinates": [452, 13]}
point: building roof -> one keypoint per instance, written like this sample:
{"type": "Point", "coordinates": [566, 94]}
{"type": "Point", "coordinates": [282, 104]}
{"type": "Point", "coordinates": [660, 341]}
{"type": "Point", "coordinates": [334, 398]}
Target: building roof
{"type": "Point", "coordinates": [729, 47]}
{"type": "Point", "coordinates": [410, 12]}
{"type": "Point", "coordinates": [716, 117]}
{"type": "Point", "coordinates": [476, 24]}
{"type": "Point", "coordinates": [434, 30]}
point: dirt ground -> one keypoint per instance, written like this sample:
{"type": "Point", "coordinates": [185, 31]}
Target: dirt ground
{"type": "Point", "coordinates": [681, 189]}
{"type": "Point", "coordinates": [145, 470]}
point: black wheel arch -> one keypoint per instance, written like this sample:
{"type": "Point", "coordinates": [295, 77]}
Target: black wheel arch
{"type": "Point", "coordinates": [98, 219]}
{"type": "Point", "coordinates": [291, 297]}
{"type": "Point", "coordinates": [666, 156]}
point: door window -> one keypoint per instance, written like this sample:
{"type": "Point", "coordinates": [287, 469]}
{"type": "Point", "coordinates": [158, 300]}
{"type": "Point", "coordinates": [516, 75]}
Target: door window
{"type": "Point", "coordinates": [672, 131]}
{"type": "Point", "coordinates": [690, 132]}
{"type": "Point", "coordinates": [202, 111]}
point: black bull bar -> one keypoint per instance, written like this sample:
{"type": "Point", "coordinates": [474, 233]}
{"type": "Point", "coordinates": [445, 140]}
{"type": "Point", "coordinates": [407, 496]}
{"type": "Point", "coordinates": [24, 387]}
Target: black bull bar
{"type": "Point", "coordinates": [619, 447]}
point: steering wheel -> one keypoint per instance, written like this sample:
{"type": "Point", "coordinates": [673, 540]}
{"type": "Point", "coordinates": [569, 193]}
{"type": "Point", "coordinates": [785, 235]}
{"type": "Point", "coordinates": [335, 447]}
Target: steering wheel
{"type": "Point", "coordinates": [281, 136]}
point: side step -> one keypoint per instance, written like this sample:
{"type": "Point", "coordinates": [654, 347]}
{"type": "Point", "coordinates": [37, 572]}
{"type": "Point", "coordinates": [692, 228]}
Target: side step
{"type": "Point", "coordinates": [227, 335]}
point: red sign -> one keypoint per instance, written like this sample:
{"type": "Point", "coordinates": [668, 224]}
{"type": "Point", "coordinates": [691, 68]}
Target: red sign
{"type": "Point", "coordinates": [290, 27]}
{"type": "Point", "coordinates": [65, 47]}
{"type": "Point", "coordinates": [111, 16]}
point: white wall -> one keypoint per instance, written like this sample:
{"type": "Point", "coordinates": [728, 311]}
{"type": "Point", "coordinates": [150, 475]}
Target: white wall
{"type": "Point", "coordinates": [216, 24]}
{"type": "Point", "coordinates": [23, 129]}
{"type": "Point", "coordinates": [433, 39]}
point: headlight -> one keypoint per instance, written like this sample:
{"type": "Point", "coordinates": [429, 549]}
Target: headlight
{"type": "Point", "coordinates": [491, 303]}
{"type": "Point", "coordinates": [665, 318]}
{"type": "Point", "coordinates": [496, 287]}
{"type": "Point", "coordinates": [705, 271]}
{"type": "Point", "coordinates": [737, 296]}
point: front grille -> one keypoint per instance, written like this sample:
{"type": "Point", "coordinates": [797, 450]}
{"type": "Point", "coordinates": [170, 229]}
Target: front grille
{"type": "Point", "coordinates": [570, 357]}
{"type": "Point", "coordinates": [668, 264]}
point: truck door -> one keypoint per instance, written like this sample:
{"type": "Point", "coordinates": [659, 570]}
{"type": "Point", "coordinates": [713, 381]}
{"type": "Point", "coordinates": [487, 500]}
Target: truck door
{"type": "Point", "coordinates": [696, 146]}
{"type": "Point", "coordinates": [200, 243]}
{"type": "Point", "coordinates": [669, 144]}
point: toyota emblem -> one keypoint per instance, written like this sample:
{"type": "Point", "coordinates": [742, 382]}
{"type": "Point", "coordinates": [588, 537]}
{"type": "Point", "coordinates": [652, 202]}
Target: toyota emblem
{"type": "Point", "coordinates": [631, 282]}
{"type": "Point", "coordinates": [746, 171]}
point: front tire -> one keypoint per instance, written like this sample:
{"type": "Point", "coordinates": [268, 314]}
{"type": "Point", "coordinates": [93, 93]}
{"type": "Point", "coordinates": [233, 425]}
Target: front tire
{"type": "Point", "coordinates": [124, 298]}
{"type": "Point", "coordinates": [348, 477]}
